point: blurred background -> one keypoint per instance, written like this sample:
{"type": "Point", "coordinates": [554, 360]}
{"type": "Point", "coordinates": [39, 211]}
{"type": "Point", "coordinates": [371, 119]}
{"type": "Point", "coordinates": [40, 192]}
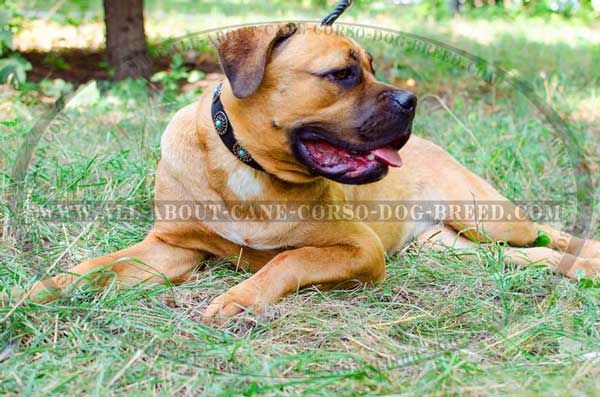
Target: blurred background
{"type": "Point", "coordinates": [66, 38]}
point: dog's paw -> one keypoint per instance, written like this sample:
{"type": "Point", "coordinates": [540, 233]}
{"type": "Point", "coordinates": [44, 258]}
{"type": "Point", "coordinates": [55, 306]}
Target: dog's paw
{"type": "Point", "coordinates": [243, 297]}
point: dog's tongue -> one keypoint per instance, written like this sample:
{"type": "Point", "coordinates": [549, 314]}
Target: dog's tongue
{"type": "Point", "coordinates": [389, 155]}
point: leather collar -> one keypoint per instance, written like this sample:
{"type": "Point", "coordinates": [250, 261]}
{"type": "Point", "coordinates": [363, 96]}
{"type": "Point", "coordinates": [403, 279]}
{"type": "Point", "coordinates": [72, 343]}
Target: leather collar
{"type": "Point", "coordinates": [225, 131]}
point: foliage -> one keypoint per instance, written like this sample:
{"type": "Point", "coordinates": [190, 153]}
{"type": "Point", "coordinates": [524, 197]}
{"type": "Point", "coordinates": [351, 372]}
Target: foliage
{"type": "Point", "coordinates": [5, 32]}
{"type": "Point", "coordinates": [56, 62]}
{"type": "Point", "coordinates": [178, 72]}
{"type": "Point", "coordinates": [76, 12]}
{"type": "Point", "coordinates": [13, 67]}
{"type": "Point", "coordinates": [565, 8]}
{"type": "Point", "coordinates": [55, 88]}
{"type": "Point", "coordinates": [13, 70]}
{"type": "Point", "coordinates": [487, 8]}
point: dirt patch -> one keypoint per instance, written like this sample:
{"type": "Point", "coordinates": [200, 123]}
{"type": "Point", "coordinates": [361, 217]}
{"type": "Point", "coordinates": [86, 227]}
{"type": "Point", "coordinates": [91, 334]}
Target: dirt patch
{"type": "Point", "coordinates": [79, 66]}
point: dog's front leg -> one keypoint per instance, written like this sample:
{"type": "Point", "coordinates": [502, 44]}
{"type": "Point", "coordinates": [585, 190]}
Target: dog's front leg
{"type": "Point", "coordinates": [335, 256]}
{"type": "Point", "coordinates": [151, 260]}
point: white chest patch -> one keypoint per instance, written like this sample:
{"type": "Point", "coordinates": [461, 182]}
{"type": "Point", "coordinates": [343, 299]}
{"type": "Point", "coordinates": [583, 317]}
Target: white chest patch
{"type": "Point", "coordinates": [264, 247]}
{"type": "Point", "coordinates": [231, 233]}
{"type": "Point", "coordinates": [244, 183]}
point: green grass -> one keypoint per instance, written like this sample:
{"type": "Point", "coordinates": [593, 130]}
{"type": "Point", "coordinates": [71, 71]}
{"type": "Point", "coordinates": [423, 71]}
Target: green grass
{"type": "Point", "coordinates": [439, 325]}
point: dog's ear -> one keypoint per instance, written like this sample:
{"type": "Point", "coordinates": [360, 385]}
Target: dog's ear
{"type": "Point", "coordinates": [244, 54]}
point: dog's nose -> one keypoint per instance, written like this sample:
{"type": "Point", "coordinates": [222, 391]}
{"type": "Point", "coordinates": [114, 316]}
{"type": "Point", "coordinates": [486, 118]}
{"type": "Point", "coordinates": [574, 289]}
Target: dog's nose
{"type": "Point", "coordinates": [400, 101]}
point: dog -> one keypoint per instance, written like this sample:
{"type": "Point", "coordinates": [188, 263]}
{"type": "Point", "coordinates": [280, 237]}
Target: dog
{"type": "Point", "coordinates": [301, 118]}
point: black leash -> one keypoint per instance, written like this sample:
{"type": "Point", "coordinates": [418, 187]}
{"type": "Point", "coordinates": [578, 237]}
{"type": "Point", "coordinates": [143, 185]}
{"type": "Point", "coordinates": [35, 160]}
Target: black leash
{"type": "Point", "coordinates": [336, 13]}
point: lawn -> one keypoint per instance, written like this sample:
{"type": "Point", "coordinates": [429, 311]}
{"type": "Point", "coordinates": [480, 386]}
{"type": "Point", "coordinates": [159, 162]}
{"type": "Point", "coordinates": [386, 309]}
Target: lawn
{"type": "Point", "coordinates": [438, 325]}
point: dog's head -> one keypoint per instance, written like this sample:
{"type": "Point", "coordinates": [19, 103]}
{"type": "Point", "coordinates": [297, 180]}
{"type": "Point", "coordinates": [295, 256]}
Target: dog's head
{"type": "Point", "coordinates": [305, 103]}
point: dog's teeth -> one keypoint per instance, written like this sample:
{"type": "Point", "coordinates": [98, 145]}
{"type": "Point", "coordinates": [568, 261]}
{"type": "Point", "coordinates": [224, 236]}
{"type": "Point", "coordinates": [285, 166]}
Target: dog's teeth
{"type": "Point", "coordinates": [371, 157]}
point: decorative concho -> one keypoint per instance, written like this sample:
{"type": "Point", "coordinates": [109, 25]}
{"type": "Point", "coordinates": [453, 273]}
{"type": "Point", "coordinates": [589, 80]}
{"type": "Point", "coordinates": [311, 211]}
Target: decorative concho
{"type": "Point", "coordinates": [221, 123]}
{"type": "Point", "coordinates": [217, 91]}
{"type": "Point", "coordinates": [241, 153]}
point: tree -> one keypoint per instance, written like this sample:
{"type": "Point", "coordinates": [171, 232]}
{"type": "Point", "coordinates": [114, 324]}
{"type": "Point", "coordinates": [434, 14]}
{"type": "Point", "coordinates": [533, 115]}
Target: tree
{"type": "Point", "coordinates": [126, 47]}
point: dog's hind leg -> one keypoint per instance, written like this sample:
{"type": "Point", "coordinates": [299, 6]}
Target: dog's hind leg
{"type": "Point", "coordinates": [565, 242]}
{"type": "Point", "coordinates": [468, 195]}
{"type": "Point", "coordinates": [519, 231]}
{"type": "Point", "coordinates": [442, 238]}
{"type": "Point", "coordinates": [151, 260]}
{"type": "Point", "coordinates": [464, 191]}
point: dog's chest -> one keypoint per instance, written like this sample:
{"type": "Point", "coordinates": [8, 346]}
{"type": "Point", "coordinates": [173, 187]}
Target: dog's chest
{"type": "Point", "coordinates": [263, 236]}
{"type": "Point", "coordinates": [244, 223]}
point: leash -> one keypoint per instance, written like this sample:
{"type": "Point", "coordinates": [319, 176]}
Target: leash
{"type": "Point", "coordinates": [336, 13]}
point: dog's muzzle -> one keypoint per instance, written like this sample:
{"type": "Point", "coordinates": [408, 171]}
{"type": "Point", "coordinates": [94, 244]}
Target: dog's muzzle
{"type": "Point", "coordinates": [364, 155]}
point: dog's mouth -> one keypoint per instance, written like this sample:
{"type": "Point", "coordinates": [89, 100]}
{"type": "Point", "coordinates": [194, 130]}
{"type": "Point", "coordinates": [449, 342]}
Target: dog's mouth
{"type": "Point", "coordinates": [345, 163]}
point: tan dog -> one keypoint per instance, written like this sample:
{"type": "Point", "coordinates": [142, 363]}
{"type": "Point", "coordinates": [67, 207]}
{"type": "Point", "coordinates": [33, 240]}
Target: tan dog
{"type": "Point", "coordinates": [307, 108]}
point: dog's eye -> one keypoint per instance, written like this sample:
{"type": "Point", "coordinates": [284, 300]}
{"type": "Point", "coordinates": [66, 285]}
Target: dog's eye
{"type": "Point", "coordinates": [343, 74]}
{"type": "Point", "coordinates": [348, 77]}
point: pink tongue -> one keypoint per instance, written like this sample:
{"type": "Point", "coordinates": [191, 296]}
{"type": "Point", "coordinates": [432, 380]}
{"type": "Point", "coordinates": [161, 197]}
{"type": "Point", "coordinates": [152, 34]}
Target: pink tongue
{"type": "Point", "coordinates": [389, 155]}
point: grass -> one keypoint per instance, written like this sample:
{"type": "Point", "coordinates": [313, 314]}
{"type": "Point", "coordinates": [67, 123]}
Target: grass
{"type": "Point", "coordinates": [437, 326]}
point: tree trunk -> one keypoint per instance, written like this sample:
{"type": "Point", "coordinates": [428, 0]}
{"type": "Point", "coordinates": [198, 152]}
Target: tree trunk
{"type": "Point", "coordinates": [454, 6]}
{"type": "Point", "coordinates": [126, 47]}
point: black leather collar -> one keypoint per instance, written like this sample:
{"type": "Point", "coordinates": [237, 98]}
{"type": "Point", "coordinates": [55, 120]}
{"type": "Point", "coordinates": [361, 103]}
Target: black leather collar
{"type": "Point", "coordinates": [225, 131]}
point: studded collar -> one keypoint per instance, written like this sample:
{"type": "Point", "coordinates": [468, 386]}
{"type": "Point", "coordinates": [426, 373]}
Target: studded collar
{"type": "Point", "coordinates": [225, 130]}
